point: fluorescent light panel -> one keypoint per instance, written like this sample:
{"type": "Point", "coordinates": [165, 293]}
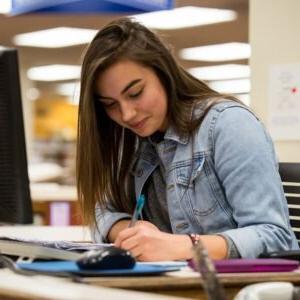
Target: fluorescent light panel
{"type": "Point", "coordinates": [54, 72]}
{"type": "Point", "coordinates": [57, 37]}
{"type": "Point", "coordinates": [217, 52]}
{"type": "Point", "coordinates": [236, 86]}
{"type": "Point", "coordinates": [219, 72]}
{"type": "Point", "coordinates": [187, 16]}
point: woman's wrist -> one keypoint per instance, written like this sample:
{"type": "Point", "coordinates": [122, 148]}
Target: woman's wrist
{"type": "Point", "coordinates": [195, 238]}
{"type": "Point", "coordinates": [181, 246]}
{"type": "Point", "coordinates": [216, 245]}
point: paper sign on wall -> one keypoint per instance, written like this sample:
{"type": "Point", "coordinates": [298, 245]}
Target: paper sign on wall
{"type": "Point", "coordinates": [284, 102]}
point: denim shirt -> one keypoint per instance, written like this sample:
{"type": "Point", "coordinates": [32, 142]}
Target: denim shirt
{"type": "Point", "coordinates": [222, 180]}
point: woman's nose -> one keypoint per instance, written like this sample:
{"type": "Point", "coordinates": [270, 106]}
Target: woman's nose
{"type": "Point", "coordinates": [128, 112]}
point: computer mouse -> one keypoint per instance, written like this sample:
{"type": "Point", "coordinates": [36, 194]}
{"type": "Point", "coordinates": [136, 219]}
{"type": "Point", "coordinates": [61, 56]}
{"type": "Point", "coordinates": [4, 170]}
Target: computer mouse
{"type": "Point", "coordinates": [106, 258]}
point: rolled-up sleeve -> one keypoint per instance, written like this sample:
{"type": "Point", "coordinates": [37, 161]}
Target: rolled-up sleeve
{"type": "Point", "coordinates": [105, 219]}
{"type": "Point", "coordinates": [247, 168]}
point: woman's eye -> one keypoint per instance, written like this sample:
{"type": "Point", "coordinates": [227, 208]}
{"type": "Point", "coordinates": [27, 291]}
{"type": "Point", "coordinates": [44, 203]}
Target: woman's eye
{"type": "Point", "coordinates": [109, 105]}
{"type": "Point", "coordinates": [136, 94]}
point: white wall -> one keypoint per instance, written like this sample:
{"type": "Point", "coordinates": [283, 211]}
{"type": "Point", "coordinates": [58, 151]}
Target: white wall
{"type": "Point", "coordinates": [275, 39]}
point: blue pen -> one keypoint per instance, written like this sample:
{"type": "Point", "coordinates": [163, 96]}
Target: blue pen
{"type": "Point", "coordinates": [137, 210]}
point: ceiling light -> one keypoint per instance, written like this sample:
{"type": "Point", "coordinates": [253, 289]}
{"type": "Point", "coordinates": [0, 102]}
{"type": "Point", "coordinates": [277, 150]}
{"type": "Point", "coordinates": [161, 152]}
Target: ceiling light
{"type": "Point", "coordinates": [236, 86]}
{"type": "Point", "coordinates": [55, 37]}
{"type": "Point", "coordinates": [54, 72]}
{"type": "Point", "coordinates": [187, 16]}
{"type": "Point", "coordinates": [217, 52]}
{"type": "Point", "coordinates": [229, 71]}
{"type": "Point", "coordinates": [5, 6]}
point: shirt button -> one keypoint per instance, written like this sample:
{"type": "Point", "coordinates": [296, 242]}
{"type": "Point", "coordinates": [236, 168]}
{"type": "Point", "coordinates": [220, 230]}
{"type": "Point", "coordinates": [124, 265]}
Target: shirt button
{"type": "Point", "coordinates": [170, 149]}
{"type": "Point", "coordinates": [181, 225]}
{"type": "Point", "coordinates": [139, 173]}
{"type": "Point", "coordinates": [170, 187]}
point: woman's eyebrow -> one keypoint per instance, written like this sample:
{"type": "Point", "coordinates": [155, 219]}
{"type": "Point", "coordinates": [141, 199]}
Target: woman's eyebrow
{"type": "Point", "coordinates": [100, 98]}
{"type": "Point", "coordinates": [127, 87]}
{"type": "Point", "coordinates": [130, 84]}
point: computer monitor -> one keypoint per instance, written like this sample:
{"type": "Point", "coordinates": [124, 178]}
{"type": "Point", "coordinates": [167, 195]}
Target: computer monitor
{"type": "Point", "coordinates": [15, 201]}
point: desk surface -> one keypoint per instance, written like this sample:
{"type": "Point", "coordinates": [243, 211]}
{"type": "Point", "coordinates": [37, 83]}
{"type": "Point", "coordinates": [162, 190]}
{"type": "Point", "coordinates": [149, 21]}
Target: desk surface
{"type": "Point", "coordinates": [14, 286]}
{"type": "Point", "coordinates": [183, 284]}
{"type": "Point", "coordinates": [189, 284]}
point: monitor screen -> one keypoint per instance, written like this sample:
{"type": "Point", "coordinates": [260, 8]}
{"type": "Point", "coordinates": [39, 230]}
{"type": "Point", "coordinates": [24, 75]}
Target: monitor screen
{"type": "Point", "coordinates": [15, 201]}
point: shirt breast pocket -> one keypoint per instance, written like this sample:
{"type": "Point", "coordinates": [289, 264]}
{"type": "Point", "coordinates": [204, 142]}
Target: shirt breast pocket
{"type": "Point", "coordinates": [195, 188]}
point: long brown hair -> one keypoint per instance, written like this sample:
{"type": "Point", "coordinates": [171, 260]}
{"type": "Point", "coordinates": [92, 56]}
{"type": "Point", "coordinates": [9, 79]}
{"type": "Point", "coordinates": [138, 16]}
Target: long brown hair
{"type": "Point", "coordinates": [104, 149]}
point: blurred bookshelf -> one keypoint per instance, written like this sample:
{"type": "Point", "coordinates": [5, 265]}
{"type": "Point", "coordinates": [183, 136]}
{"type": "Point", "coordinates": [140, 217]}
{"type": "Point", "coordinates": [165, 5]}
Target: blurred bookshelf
{"type": "Point", "coordinates": [52, 163]}
{"type": "Point", "coordinates": [55, 205]}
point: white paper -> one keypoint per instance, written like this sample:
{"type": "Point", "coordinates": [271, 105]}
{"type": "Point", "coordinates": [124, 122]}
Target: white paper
{"type": "Point", "coordinates": [59, 244]}
{"type": "Point", "coordinates": [284, 102]}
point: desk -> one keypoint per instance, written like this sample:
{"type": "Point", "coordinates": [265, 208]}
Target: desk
{"type": "Point", "coordinates": [189, 284]}
{"type": "Point", "coordinates": [182, 284]}
{"type": "Point", "coordinates": [13, 286]}
{"type": "Point", "coordinates": [18, 287]}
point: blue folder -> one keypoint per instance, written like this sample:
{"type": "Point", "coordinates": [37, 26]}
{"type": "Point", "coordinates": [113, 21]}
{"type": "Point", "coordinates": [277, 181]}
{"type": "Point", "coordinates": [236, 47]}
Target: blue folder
{"type": "Point", "coordinates": [71, 267]}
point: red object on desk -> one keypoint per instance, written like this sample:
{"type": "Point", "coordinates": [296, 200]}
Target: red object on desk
{"type": "Point", "coordinates": [245, 265]}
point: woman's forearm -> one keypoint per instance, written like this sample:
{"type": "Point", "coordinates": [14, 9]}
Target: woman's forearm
{"type": "Point", "coordinates": [216, 246]}
{"type": "Point", "coordinates": [176, 246]}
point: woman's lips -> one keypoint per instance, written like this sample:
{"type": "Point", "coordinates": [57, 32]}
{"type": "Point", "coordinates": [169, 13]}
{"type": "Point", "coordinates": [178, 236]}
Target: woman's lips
{"type": "Point", "coordinates": [139, 124]}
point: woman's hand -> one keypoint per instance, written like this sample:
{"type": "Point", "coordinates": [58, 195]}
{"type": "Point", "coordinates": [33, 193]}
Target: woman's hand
{"type": "Point", "coordinates": [147, 243]}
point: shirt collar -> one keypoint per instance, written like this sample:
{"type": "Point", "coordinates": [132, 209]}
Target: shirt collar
{"type": "Point", "coordinates": [172, 134]}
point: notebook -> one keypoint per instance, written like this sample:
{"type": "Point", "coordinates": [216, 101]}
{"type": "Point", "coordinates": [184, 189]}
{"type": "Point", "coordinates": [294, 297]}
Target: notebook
{"type": "Point", "coordinates": [40, 249]}
{"type": "Point", "coordinates": [70, 267]}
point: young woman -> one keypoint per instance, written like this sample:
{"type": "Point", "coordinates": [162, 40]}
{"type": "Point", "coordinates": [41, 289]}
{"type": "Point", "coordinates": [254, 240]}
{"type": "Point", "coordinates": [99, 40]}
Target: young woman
{"type": "Point", "coordinates": [203, 160]}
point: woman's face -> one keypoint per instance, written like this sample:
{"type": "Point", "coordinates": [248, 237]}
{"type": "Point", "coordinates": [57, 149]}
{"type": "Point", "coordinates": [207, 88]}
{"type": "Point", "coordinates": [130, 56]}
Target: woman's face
{"type": "Point", "coordinates": [133, 96]}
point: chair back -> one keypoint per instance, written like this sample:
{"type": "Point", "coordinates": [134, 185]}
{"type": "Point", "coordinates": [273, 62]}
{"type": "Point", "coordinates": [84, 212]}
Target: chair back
{"type": "Point", "coordinates": [290, 176]}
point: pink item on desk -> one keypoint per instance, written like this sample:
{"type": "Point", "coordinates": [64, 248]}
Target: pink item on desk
{"type": "Point", "coordinates": [246, 265]}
